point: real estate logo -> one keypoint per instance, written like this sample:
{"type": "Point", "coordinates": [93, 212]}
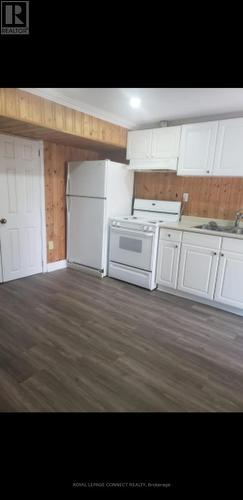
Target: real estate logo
{"type": "Point", "coordinates": [14, 18]}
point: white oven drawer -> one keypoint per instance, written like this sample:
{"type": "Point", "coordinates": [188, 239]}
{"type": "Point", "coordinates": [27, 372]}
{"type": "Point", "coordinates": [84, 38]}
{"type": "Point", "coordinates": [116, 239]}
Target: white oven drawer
{"type": "Point", "coordinates": [131, 275]}
{"type": "Point", "coordinates": [132, 248]}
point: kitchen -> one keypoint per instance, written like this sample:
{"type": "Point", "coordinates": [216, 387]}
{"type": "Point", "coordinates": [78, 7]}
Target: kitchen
{"type": "Point", "coordinates": [130, 253]}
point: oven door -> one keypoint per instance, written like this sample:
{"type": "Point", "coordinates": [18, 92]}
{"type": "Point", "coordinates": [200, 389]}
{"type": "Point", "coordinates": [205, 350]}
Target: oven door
{"type": "Point", "coordinates": [132, 248]}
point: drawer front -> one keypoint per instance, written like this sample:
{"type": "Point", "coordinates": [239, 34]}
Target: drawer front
{"type": "Point", "coordinates": [170, 235]}
{"type": "Point", "coordinates": [232, 245]}
{"type": "Point", "coordinates": [202, 240]}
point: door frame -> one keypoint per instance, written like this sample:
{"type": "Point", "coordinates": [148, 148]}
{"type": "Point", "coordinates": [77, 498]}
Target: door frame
{"type": "Point", "coordinates": [43, 206]}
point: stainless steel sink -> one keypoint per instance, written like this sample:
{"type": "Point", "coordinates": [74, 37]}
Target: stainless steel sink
{"type": "Point", "coordinates": [213, 226]}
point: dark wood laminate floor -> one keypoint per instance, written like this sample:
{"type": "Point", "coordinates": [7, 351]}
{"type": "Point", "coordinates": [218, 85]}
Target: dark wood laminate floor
{"type": "Point", "coordinates": [72, 342]}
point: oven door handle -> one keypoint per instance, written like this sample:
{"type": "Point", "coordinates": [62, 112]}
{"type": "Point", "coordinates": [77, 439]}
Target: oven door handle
{"type": "Point", "coordinates": [132, 232]}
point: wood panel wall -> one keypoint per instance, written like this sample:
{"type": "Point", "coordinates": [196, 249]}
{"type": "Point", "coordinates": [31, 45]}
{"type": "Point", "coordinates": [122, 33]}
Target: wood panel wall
{"type": "Point", "coordinates": [56, 157]}
{"type": "Point", "coordinates": [213, 197]}
{"type": "Point", "coordinates": [25, 114]}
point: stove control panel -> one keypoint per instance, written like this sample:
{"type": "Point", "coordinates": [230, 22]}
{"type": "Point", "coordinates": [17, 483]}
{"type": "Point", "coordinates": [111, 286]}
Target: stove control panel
{"type": "Point", "coordinates": [133, 225]}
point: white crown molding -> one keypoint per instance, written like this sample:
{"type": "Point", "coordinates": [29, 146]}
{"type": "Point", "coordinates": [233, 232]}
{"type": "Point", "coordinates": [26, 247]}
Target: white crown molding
{"type": "Point", "coordinates": [81, 106]}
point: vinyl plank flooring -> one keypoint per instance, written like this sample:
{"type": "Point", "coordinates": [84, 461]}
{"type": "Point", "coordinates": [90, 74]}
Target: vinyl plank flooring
{"type": "Point", "coordinates": [72, 342]}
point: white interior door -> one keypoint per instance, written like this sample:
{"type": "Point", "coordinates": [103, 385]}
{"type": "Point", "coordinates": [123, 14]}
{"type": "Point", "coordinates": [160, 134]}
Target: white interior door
{"type": "Point", "coordinates": [20, 208]}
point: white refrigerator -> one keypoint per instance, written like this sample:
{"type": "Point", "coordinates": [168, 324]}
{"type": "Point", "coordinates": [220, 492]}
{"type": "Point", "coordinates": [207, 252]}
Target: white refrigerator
{"type": "Point", "coordinates": [95, 191]}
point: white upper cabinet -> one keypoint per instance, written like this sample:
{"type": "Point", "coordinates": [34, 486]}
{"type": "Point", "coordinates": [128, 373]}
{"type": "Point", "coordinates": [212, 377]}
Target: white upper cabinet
{"type": "Point", "coordinates": [165, 142]}
{"type": "Point", "coordinates": [154, 144]}
{"type": "Point", "coordinates": [197, 148]}
{"type": "Point", "coordinates": [139, 144]}
{"type": "Point", "coordinates": [206, 148]}
{"type": "Point", "coordinates": [229, 148]}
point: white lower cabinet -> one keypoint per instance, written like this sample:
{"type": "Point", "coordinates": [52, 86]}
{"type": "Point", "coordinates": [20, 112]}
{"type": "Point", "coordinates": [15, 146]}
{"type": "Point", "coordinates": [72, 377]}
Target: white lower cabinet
{"type": "Point", "coordinates": [198, 268]}
{"type": "Point", "coordinates": [202, 265]}
{"type": "Point", "coordinates": [229, 286]}
{"type": "Point", "coordinates": [168, 263]}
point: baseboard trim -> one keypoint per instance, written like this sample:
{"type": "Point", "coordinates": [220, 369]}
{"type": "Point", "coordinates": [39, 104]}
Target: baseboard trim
{"type": "Point", "coordinates": [201, 300]}
{"type": "Point", "coordinates": [86, 269]}
{"type": "Point", "coordinates": [55, 266]}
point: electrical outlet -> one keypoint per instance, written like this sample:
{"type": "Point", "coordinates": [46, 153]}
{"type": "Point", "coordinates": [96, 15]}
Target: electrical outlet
{"type": "Point", "coordinates": [50, 245]}
{"type": "Point", "coordinates": [185, 196]}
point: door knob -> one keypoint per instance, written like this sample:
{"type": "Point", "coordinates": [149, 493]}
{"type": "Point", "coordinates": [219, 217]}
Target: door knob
{"type": "Point", "coordinates": [3, 221]}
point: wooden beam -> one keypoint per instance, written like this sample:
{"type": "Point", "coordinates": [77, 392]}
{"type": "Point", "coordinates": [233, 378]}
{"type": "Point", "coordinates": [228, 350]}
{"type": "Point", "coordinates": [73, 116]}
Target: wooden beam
{"type": "Point", "coordinates": [22, 113]}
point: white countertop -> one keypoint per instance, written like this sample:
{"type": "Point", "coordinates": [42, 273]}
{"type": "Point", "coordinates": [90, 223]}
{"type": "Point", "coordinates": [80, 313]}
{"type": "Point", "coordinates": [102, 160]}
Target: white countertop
{"type": "Point", "coordinates": [188, 223]}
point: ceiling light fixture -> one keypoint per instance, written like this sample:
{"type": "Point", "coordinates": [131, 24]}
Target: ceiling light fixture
{"type": "Point", "coordinates": [135, 102]}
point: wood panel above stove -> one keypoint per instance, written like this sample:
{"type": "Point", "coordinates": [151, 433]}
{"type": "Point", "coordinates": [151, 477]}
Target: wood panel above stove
{"type": "Point", "coordinates": [214, 197]}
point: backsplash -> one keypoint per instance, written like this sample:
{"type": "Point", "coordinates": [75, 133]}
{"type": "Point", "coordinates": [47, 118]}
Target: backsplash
{"type": "Point", "coordinates": [213, 197]}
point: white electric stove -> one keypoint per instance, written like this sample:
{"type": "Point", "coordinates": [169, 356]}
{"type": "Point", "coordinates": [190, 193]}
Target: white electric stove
{"type": "Point", "coordinates": [134, 241]}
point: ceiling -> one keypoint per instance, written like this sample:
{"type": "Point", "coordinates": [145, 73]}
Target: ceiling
{"type": "Point", "coordinates": [157, 104]}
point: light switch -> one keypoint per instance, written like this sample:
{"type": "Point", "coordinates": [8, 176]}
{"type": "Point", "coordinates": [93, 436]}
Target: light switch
{"type": "Point", "coordinates": [185, 196]}
{"type": "Point", "coordinates": [50, 245]}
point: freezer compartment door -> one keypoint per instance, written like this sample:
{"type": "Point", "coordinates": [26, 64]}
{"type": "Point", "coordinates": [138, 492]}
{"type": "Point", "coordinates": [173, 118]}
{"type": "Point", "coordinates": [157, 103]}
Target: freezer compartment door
{"type": "Point", "coordinates": [87, 178]}
{"type": "Point", "coordinates": [86, 232]}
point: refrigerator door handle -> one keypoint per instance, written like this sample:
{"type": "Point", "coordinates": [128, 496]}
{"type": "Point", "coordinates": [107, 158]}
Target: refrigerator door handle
{"type": "Point", "coordinates": [68, 203]}
{"type": "Point", "coordinates": [68, 184]}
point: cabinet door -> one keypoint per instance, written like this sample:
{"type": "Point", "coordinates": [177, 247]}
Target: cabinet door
{"type": "Point", "coordinates": [165, 142]}
{"type": "Point", "coordinates": [168, 262]}
{"type": "Point", "coordinates": [197, 148]}
{"type": "Point", "coordinates": [139, 144]}
{"type": "Point", "coordinates": [197, 273]}
{"type": "Point", "coordinates": [229, 148]}
{"type": "Point", "coordinates": [229, 286]}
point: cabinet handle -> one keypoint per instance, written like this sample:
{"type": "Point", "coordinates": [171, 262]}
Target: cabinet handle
{"type": "Point", "coordinates": [169, 235]}
{"type": "Point", "coordinates": [176, 246]}
{"type": "Point", "coordinates": [214, 253]}
{"type": "Point", "coordinates": [208, 171]}
{"type": "Point", "coordinates": [222, 254]}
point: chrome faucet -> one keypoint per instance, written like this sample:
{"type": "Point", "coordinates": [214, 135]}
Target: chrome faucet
{"type": "Point", "coordinates": [238, 217]}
